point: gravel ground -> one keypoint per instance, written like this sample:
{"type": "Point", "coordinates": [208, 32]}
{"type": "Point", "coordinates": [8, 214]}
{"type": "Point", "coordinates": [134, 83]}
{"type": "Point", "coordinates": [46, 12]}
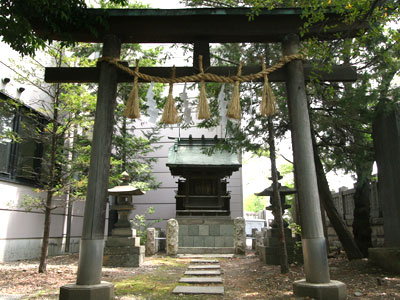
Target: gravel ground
{"type": "Point", "coordinates": [244, 278]}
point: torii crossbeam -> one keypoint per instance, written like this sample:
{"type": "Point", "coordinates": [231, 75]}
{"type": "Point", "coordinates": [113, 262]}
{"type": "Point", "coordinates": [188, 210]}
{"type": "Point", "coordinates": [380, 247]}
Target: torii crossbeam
{"type": "Point", "coordinates": [200, 27]}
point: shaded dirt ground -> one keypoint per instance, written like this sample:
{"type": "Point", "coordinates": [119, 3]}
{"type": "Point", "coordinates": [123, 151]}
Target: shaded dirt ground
{"type": "Point", "coordinates": [244, 278]}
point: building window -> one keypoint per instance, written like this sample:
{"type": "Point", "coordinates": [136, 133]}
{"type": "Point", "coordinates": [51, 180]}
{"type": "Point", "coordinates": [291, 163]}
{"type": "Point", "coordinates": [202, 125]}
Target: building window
{"type": "Point", "coordinates": [21, 148]}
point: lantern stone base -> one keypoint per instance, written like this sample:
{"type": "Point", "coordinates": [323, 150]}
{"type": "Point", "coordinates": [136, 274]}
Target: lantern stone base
{"type": "Point", "coordinates": [102, 291]}
{"type": "Point", "coordinates": [270, 251]}
{"type": "Point", "coordinates": [123, 252]}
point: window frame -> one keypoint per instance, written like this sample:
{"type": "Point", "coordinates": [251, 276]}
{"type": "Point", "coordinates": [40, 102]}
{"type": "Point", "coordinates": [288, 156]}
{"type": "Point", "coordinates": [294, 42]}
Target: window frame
{"type": "Point", "coordinates": [11, 175]}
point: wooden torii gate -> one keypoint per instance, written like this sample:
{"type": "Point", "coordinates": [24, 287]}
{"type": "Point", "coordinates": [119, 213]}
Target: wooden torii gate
{"type": "Point", "coordinates": [200, 27]}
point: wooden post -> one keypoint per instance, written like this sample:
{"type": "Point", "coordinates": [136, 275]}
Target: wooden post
{"type": "Point", "coordinates": [317, 283]}
{"type": "Point", "coordinates": [92, 242]}
{"type": "Point", "coordinates": [201, 48]}
{"type": "Point", "coordinates": [315, 259]}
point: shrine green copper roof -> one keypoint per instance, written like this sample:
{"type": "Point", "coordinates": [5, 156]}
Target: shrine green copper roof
{"type": "Point", "coordinates": [189, 152]}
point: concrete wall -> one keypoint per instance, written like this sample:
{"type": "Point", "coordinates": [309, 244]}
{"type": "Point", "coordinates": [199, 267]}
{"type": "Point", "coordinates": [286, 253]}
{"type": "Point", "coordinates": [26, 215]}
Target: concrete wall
{"type": "Point", "coordinates": [21, 231]}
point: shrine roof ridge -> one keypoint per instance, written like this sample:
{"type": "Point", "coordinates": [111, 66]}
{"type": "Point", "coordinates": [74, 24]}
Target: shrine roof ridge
{"type": "Point", "coordinates": [211, 25]}
{"type": "Point", "coordinates": [219, 11]}
{"type": "Point", "coordinates": [197, 141]}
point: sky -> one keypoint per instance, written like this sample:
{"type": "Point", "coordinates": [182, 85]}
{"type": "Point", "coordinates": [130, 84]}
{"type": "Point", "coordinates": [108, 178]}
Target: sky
{"type": "Point", "coordinates": [168, 4]}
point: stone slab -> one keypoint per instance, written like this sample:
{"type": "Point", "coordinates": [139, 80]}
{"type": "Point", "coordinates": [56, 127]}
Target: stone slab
{"type": "Point", "coordinates": [193, 230]}
{"type": "Point", "coordinates": [210, 290]}
{"type": "Point", "coordinates": [199, 267]}
{"type": "Point", "coordinates": [123, 256]}
{"type": "Point", "coordinates": [207, 279]}
{"type": "Point", "coordinates": [333, 290]}
{"type": "Point", "coordinates": [204, 230]}
{"type": "Point", "coordinates": [204, 261]}
{"type": "Point", "coordinates": [198, 241]}
{"type": "Point", "coordinates": [227, 230]}
{"type": "Point", "coordinates": [203, 272]}
{"type": "Point", "coordinates": [187, 241]}
{"type": "Point", "coordinates": [102, 291]}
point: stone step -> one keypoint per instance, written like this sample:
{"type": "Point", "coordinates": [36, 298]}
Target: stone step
{"type": "Point", "coordinates": [199, 267]}
{"type": "Point", "coordinates": [206, 250]}
{"type": "Point", "coordinates": [203, 272]}
{"type": "Point", "coordinates": [210, 290]}
{"type": "Point", "coordinates": [205, 255]}
{"type": "Point", "coordinates": [201, 279]}
{"type": "Point", "coordinates": [204, 261]}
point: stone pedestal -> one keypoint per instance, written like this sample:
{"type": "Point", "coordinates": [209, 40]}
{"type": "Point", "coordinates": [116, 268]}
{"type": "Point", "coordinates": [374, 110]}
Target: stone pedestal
{"type": "Point", "coordinates": [240, 236]}
{"type": "Point", "coordinates": [123, 251]}
{"type": "Point", "coordinates": [150, 241]}
{"type": "Point", "coordinates": [270, 251]}
{"type": "Point", "coordinates": [259, 241]}
{"type": "Point", "coordinates": [102, 291]}
{"type": "Point", "coordinates": [172, 237]}
{"type": "Point", "coordinates": [206, 235]}
{"type": "Point", "coordinates": [333, 290]}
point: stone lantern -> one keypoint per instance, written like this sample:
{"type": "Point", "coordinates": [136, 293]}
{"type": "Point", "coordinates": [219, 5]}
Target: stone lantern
{"type": "Point", "coordinates": [269, 251]}
{"type": "Point", "coordinates": [123, 204]}
{"type": "Point", "coordinates": [123, 246]}
{"type": "Point", "coordinates": [283, 192]}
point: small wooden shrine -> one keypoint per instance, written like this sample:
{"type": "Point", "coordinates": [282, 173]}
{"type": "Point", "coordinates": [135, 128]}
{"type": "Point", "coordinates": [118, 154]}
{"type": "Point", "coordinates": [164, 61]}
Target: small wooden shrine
{"type": "Point", "coordinates": [202, 187]}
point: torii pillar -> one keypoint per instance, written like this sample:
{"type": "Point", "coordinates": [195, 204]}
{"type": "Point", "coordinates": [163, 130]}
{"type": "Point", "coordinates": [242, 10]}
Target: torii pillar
{"type": "Point", "coordinates": [88, 284]}
{"type": "Point", "coordinates": [317, 283]}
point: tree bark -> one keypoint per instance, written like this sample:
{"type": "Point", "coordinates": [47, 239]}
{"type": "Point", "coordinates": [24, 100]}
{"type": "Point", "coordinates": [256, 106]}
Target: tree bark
{"type": "Point", "coordinates": [46, 234]}
{"type": "Point", "coordinates": [343, 233]}
{"type": "Point", "coordinates": [361, 221]}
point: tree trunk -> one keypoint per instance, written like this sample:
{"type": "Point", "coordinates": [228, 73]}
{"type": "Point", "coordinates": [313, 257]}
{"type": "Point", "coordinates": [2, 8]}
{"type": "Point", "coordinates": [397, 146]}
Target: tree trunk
{"type": "Point", "coordinates": [51, 183]}
{"type": "Point", "coordinates": [46, 234]}
{"type": "Point", "coordinates": [276, 206]}
{"type": "Point", "coordinates": [343, 233]}
{"type": "Point", "coordinates": [361, 223]}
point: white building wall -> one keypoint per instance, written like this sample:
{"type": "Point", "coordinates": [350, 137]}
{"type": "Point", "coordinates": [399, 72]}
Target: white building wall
{"type": "Point", "coordinates": [21, 231]}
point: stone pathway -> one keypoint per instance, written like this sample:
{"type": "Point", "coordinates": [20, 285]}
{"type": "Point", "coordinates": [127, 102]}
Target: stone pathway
{"type": "Point", "coordinates": [10, 297]}
{"type": "Point", "coordinates": [205, 278]}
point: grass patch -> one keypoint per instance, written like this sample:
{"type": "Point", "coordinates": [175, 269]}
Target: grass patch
{"type": "Point", "coordinates": [157, 284]}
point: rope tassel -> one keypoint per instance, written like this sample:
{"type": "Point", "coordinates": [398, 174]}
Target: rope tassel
{"type": "Point", "coordinates": [170, 113]}
{"type": "Point", "coordinates": [234, 108]}
{"type": "Point", "coordinates": [268, 102]}
{"type": "Point", "coordinates": [203, 108]}
{"type": "Point", "coordinates": [132, 105]}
